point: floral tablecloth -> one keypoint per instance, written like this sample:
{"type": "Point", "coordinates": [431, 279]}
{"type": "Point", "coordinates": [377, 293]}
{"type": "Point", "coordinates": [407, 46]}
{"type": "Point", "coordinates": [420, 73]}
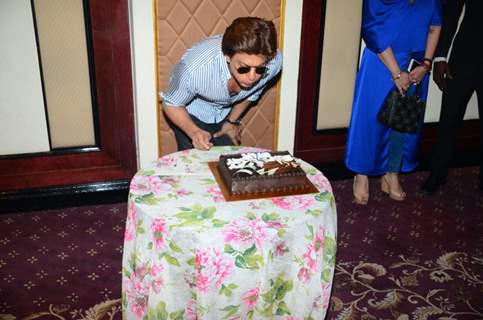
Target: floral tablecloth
{"type": "Point", "coordinates": [188, 254]}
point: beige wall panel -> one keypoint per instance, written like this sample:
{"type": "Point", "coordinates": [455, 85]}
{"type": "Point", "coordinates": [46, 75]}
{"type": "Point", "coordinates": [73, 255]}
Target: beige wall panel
{"type": "Point", "coordinates": [180, 24]}
{"type": "Point", "coordinates": [339, 63]}
{"type": "Point", "coordinates": [22, 115]}
{"type": "Point", "coordinates": [62, 39]}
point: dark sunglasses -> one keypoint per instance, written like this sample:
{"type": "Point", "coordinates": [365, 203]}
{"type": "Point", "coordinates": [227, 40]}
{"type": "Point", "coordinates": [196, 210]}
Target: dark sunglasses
{"type": "Point", "coordinates": [258, 70]}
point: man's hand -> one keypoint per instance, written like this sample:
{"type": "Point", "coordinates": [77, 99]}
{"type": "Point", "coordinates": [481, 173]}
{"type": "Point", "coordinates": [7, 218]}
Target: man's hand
{"type": "Point", "coordinates": [231, 130]}
{"type": "Point", "coordinates": [201, 140]}
{"type": "Point", "coordinates": [440, 73]}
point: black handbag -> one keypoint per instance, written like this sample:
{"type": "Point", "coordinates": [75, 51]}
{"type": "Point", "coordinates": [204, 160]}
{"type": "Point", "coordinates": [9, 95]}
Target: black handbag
{"type": "Point", "coordinates": [402, 113]}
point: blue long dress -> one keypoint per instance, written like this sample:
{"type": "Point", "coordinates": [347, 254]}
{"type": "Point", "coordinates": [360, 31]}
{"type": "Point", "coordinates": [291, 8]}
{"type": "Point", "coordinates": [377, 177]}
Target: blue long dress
{"type": "Point", "coordinates": [402, 25]}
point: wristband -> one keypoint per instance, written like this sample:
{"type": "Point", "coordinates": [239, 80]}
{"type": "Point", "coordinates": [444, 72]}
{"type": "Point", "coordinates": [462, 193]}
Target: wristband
{"type": "Point", "coordinates": [427, 65]}
{"type": "Point", "coordinates": [235, 123]}
{"type": "Point", "coordinates": [398, 76]}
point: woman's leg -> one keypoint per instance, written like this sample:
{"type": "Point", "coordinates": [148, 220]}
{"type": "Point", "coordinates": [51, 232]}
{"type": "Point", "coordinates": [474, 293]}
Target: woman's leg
{"type": "Point", "coordinates": [360, 189]}
{"type": "Point", "coordinates": [390, 181]}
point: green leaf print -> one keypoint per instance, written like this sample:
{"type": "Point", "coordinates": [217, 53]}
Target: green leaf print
{"type": "Point", "coordinates": [149, 199]}
{"type": "Point", "coordinates": [224, 290]}
{"type": "Point", "coordinates": [282, 309]}
{"type": "Point", "coordinates": [207, 181]}
{"type": "Point", "coordinates": [270, 216]}
{"type": "Point", "coordinates": [314, 212]}
{"type": "Point", "coordinates": [159, 312]}
{"type": "Point", "coordinates": [174, 247]}
{"type": "Point", "coordinates": [274, 297]}
{"type": "Point", "coordinates": [326, 197]}
{"type": "Point", "coordinates": [330, 249]}
{"type": "Point", "coordinates": [177, 315]}
{"type": "Point", "coordinates": [149, 172]}
{"type": "Point", "coordinates": [195, 215]}
{"type": "Point", "coordinates": [326, 275]}
{"type": "Point", "coordinates": [228, 249]}
{"type": "Point", "coordinates": [217, 223]}
{"type": "Point", "coordinates": [230, 311]}
{"type": "Point", "coordinates": [251, 216]}
{"type": "Point", "coordinates": [172, 260]}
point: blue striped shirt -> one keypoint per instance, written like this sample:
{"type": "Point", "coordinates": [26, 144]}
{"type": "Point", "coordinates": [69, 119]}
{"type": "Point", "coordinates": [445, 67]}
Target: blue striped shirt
{"type": "Point", "coordinates": [199, 82]}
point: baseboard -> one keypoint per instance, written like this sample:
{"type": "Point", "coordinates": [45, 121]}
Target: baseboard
{"type": "Point", "coordinates": [466, 157]}
{"type": "Point", "coordinates": [64, 196]}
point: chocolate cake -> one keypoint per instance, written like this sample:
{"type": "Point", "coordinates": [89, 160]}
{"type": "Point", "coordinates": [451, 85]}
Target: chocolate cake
{"type": "Point", "coordinates": [261, 172]}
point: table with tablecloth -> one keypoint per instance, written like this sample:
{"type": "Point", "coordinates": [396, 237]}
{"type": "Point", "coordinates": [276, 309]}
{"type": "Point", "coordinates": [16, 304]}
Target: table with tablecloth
{"type": "Point", "coordinates": [189, 254]}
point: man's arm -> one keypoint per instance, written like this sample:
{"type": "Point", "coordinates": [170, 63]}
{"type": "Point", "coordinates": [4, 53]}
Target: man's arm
{"type": "Point", "coordinates": [180, 117]}
{"type": "Point", "coordinates": [451, 13]}
{"type": "Point", "coordinates": [233, 131]}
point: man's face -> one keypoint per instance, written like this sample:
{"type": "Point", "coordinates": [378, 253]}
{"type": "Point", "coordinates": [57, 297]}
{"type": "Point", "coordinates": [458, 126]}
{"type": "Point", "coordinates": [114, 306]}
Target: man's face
{"type": "Point", "coordinates": [247, 69]}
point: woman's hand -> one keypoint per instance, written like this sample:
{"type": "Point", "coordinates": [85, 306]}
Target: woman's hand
{"type": "Point", "coordinates": [418, 73]}
{"type": "Point", "coordinates": [402, 82]}
{"type": "Point", "coordinates": [201, 140]}
{"type": "Point", "coordinates": [231, 130]}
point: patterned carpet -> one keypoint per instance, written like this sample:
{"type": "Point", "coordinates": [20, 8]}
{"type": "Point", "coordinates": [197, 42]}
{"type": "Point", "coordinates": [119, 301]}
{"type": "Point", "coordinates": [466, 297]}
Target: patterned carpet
{"type": "Point", "coordinates": [421, 259]}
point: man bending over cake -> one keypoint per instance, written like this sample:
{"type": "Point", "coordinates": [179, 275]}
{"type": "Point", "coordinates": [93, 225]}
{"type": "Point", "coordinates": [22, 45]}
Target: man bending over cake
{"type": "Point", "coordinates": [217, 79]}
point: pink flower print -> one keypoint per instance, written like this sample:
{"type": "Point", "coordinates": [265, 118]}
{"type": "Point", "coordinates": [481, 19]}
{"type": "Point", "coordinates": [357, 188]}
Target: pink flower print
{"type": "Point", "coordinates": [166, 161]}
{"type": "Point", "coordinates": [275, 224]}
{"type": "Point", "coordinates": [321, 182]}
{"type": "Point", "coordinates": [130, 223]}
{"type": "Point", "coordinates": [303, 275]}
{"type": "Point", "coordinates": [216, 193]}
{"type": "Point", "coordinates": [137, 292]}
{"type": "Point", "coordinates": [250, 297]}
{"type": "Point", "coordinates": [158, 227]}
{"type": "Point", "coordinates": [140, 185]}
{"type": "Point", "coordinates": [294, 202]}
{"type": "Point", "coordinates": [158, 186]}
{"type": "Point", "coordinates": [182, 192]}
{"type": "Point", "coordinates": [212, 269]}
{"type": "Point", "coordinates": [310, 257]}
{"type": "Point", "coordinates": [156, 278]}
{"type": "Point", "coordinates": [245, 231]}
{"type": "Point", "coordinates": [139, 306]}
{"type": "Point", "coordinates": [190, 310]}
{"type": "Point", "coordinates": [291, 318]}
{"type": "Point", "coordinates": [281, 249]}
{"type": "Point", "coordinates": [319, 239]}
{"type": "Point", "coordinates": [326, 287]}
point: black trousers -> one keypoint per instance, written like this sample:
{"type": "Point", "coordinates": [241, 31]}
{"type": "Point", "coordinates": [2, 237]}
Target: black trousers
{"type": "Point", "coordinates": [453, 107]}
{"type": "Point", "coordinates": [184, 141]}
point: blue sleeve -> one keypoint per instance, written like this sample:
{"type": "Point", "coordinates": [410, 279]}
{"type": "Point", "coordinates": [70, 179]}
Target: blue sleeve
{"type": "Point", "coordinates": [381, 22]}
{"type": "Point", "coordinates": [179, 91]}
{"type": "Point", "coordinates": [437, 20]}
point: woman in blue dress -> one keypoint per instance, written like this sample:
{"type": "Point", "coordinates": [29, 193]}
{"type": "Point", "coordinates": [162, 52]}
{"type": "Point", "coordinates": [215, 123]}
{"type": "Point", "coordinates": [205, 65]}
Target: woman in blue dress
{"type": "Point", "coordinates": [394, 31]}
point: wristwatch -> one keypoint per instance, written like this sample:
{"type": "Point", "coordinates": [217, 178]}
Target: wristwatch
{"type": "Point", "coordinates": [235, 123]}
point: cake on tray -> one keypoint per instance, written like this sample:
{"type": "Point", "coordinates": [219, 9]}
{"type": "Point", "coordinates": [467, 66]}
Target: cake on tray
{"type": "Point", "coordinates": [261, 172]}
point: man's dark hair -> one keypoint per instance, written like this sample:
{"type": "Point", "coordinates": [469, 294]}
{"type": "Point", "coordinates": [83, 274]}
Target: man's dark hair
{"type": "Point", "coordinates": [250, 35]}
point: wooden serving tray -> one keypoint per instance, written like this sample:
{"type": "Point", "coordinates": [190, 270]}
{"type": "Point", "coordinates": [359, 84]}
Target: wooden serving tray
{"type": "Point", "coordinates": [310, 188]}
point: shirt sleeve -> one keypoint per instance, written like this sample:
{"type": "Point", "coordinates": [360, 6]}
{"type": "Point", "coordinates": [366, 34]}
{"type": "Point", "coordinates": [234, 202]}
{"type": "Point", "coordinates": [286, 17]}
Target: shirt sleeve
{"type": "Point", "coordinates": [273, 68]}
{"type": "Point", "coordinates": [436, 20]}
{"type": "Point", "coordinates": [180, 91]}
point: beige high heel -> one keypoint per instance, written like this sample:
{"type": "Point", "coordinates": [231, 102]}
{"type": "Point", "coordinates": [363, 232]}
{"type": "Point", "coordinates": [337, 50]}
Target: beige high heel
{"type": "Point", "coordinates": [393, 194]}
{"type": "Point", "coordinates": [361, 195]}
